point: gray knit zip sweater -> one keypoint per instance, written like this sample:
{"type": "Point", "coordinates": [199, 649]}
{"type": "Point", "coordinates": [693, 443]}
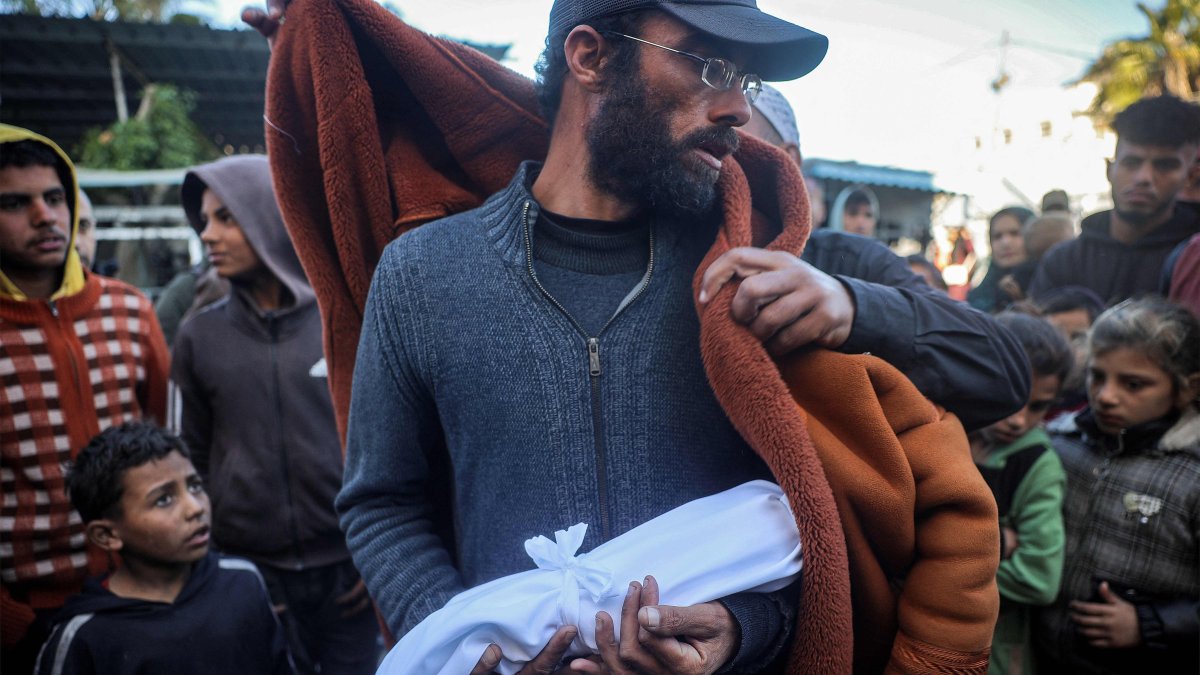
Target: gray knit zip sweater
{"type": "Point", "coordinates": [460, 345]}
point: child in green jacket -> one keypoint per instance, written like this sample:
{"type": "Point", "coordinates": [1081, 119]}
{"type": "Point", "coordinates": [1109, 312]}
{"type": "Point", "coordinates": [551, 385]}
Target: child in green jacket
{"type": "Point", "coordinates": [1018, 462]}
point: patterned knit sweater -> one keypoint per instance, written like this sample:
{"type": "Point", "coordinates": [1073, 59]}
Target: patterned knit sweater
{"type": "Point", "coordinates": [69, 368]}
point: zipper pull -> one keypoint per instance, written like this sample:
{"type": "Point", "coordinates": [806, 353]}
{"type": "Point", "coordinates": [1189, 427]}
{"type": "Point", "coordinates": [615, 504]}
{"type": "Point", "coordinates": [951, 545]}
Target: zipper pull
{"type": "Point", "coordinates": [53, 308]}
{"type": "Point", "coordinates": [593, 345]}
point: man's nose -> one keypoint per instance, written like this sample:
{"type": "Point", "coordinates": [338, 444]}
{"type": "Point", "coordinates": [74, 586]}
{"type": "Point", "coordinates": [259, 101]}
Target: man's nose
{"type": "Point", "coordinates": [731, 107]}
{"type": "Point", "coordinates": [41, 213]}
{"type": "Point", "coordinates": [1144, 173]}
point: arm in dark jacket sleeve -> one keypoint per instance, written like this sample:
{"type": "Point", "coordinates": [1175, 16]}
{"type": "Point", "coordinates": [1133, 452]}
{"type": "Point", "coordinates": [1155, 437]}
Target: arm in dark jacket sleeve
{"type": "Point", "coordinates": [190, 411]}
{"type": "Point", "coordinates": [766, 622]}
{"type": "Point", "coordinates": [65, 651]}
{"type": "Point", "coordinates": [1171, 624]}
{"type": "Point", "coordinates": [957, 356]}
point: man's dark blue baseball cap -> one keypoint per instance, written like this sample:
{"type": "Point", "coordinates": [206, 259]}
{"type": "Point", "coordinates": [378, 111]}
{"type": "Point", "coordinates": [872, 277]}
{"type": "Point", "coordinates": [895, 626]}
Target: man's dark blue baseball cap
{"type": "Point", "coordinates": [780, 50]}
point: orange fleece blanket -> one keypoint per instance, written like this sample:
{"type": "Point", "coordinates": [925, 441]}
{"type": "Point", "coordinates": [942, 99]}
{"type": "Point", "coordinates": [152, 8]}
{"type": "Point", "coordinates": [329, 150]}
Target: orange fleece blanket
{"type": "Point", "coordinates": [375, 128]}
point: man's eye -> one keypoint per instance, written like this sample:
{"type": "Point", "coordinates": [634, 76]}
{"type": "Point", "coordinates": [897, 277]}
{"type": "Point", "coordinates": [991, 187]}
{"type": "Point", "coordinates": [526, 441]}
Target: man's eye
{"type": "Point", "coordinates": [196, 487]}
{"type": "Point", "coordinates": [56, 198]}
{"type": "Point", "coordinates": [1135, 385]}
{"type": "Point", "coordinates": [164, 500]}
{"type": "Point", "coordinates": [12, 203]}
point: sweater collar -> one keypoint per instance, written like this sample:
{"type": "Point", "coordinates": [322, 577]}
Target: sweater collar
{"type": "Point", "coordinates": [1184, 221]}
{"type": "Point", "coordinates": [506, 213]}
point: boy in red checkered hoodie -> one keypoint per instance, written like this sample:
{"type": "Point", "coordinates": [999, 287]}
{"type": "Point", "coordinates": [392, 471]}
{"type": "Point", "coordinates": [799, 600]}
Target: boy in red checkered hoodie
{"type": "Point", "coordinates": [78, 353]}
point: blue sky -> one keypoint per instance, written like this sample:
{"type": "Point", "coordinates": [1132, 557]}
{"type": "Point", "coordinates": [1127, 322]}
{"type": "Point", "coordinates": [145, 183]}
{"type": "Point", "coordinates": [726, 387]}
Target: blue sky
{"type": "Point", "coordinates": [904, 82]}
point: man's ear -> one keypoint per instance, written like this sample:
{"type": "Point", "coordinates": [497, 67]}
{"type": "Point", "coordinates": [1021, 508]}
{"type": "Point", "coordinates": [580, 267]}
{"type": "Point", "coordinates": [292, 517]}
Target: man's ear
{"type": "Point", "coordinates": [103, 533]}
{"type": "Point", "coordinates": [1194, 172]}
{"type": "Point", "coordinates": [587, 52]}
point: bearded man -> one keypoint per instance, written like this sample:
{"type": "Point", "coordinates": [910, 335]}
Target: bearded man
{"type": "Point", "coordinates": [547, 345]}
{"type": "Point", "coordinates": [1120, 253]}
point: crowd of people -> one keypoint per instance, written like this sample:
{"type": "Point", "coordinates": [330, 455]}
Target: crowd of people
{"type": "Point", "coordinates": [599, 304]}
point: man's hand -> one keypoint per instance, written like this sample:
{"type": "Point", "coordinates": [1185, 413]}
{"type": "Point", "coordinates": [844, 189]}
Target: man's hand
{"type": "Point", "coordinates": [660, 639]}
{"type": "Point", "coordinates": [266, 22]}
{"type": "Point", "coordinates": [545, 663]}
{"type": "Point", "coordinates": [1111, 624]}
{"type": "Point", "coordinates": [354, 600]}
{"type": "Point", "coordinates": [784, 301]}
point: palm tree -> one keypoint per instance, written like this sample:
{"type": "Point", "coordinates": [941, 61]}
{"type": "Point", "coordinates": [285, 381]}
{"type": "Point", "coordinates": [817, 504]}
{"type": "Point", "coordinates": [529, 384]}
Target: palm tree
{"type": "Point", "coordinates": [1167, 61]}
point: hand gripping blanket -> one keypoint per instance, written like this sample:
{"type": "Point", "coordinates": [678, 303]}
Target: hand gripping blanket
{"type": "Point", "coordinates": [698, 552]}
{"type": "Point", "coordinates": [375, 128]}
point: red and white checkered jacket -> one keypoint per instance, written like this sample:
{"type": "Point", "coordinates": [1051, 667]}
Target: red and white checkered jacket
{"type": "Point", "coordinates": [68, 369]}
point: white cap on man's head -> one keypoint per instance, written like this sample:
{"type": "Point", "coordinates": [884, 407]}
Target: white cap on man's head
{"type": "Point", "coordinates": [775, 109]}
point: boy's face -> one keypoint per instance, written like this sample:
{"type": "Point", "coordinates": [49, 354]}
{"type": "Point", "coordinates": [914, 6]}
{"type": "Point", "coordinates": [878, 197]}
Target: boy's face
{"type": "Point", "coordinates": [1042, 395]}
{"type": "Point", "coordinates": [859, 220]}
{"type": "Point", "coordinates": [164, 512]}
{"type": "Point", "coordinates": [35, 220]}
{"type": "Point", "coordinates": [228, 250]}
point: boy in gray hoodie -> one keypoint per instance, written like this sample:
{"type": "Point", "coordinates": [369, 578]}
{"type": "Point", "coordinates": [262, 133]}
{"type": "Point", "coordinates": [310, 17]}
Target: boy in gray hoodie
{"type": "Point", "coordinates": [250, 399]}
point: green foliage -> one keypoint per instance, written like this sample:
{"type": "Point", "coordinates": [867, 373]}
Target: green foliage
{"type": "Point", "coordinates": [161, 136]}
{"type": "Point", "coordinates": [151, 11]}
{"type": "Point", "coordinates": [1167, 60]}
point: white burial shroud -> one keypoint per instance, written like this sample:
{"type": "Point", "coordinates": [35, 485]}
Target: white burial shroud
{"type": "Point", "coordinates": [743, 539]}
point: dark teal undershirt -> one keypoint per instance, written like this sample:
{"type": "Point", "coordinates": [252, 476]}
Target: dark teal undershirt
{"type": "Point", "coordinates": [589, 266]}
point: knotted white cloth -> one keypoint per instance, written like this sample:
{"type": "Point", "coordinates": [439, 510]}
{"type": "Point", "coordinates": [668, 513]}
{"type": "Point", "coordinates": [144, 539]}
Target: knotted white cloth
{"type": "Point", "coordinates": [743, 539]}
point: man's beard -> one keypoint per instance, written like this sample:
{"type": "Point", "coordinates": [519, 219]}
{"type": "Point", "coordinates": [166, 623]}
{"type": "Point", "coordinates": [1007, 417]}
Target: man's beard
{"type": "Point", "coordinates": [634, 158]}
{"type": "Point", "coordinates": [1140, 219]}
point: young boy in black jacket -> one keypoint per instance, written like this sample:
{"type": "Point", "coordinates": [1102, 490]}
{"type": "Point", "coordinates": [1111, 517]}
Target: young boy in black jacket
{"type": "Point", "coordinates": [172, 606]}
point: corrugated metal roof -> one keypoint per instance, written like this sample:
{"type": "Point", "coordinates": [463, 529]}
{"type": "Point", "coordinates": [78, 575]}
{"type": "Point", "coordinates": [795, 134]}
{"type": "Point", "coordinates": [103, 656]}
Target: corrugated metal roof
{"type": "Point", "coordinates": [56, 77]}
{"type": "Point", "coordinates": [867, 174]}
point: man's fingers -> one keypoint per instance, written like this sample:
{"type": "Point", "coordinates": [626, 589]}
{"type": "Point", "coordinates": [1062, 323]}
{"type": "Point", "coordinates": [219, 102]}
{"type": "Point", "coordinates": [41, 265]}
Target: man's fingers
{"type": "Point", "coordinates": [488, 662]}
{"type": "Point", "coordinates": [547, 660]}
{"type": "Point", "coordinates": [629, 621]}
{"type": "Point", "coordinates": [650, 591]}
{"type": "Point", "coordinates": [697, 621]}
{"type": "Point", "coordinates": [759, 292]}
{"type": "Point", "coordinates": [606, 642]}
{"type": "Point", "coordinates": [742, 262]}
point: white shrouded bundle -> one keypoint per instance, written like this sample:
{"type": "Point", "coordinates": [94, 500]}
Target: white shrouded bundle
{"type": "Point", "coordinates": [743, 539]}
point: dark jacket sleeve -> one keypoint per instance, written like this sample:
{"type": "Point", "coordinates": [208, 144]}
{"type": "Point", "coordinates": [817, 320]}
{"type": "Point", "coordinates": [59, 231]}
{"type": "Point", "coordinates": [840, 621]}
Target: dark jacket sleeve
{"type": "Point", "coordinates": [1047, 275]}
{"type": "Point", "coordinates": [765, 622]}
{"type": "Point", "coordinates": [190, 413]}
{"type": "Point", "coordinates": [957, 356]}
{"type": "Point", "coordinates": [1171, 624]}
{"type": "Point", "coordinates": [66, 651]}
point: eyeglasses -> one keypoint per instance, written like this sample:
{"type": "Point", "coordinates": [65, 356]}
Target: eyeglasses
{"type": "Point", "coordinates": [719, 74]}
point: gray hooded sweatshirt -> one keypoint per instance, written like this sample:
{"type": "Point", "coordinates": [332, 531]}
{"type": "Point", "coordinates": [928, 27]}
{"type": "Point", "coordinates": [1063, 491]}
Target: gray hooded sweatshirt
{"type": "Point", "coordinates": [250, 396]}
